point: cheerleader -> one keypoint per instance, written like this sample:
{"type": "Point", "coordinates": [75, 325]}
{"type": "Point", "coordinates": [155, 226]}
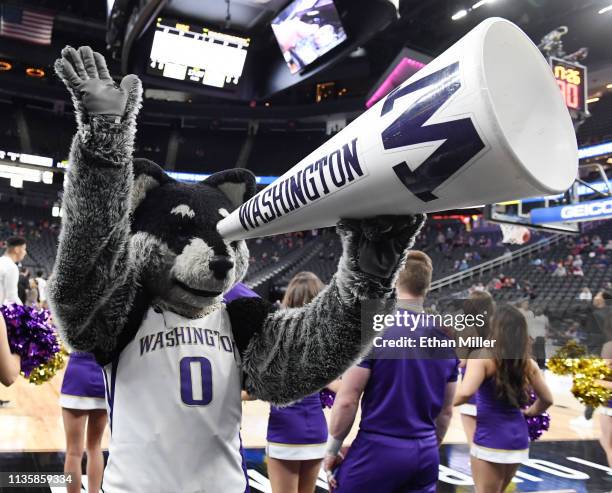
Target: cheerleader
{"type": "Point", "coordinates": [84, 412]}
{"type": "Point", "coordinates": [501, 439]}
{"type": "Point", "coordinates": [297, 434]}
{"type": "Point", "coordinates": [479, 303]}
{"type": "Point", "coordinates": [10, 363]}
{"type": "Point", "coordinates": [605, 419]}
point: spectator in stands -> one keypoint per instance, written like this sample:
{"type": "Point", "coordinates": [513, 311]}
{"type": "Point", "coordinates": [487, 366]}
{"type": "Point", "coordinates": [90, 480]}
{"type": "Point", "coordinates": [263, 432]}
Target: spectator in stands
{"type": "Point", "coordinates": [560, 270]}
{"type": "Point", "coordinates": [529, 290]}
{"type": "Point", "coordinates": [602, 261]}
{"type": "Point", "coordinates": [596, 241]}
{"type": "Point", "coordinates": [585, 294]}
{"type": "Point", "coordinates": [16, 250]}
{"type": "Point", "coordinates": [478, 287]}
{"type": "Point", "coordinates": [23, 284]}
{"type": "Point", "coordinates": [32, 293]}
{"type": "Point", "coordinates": [538, 327]}
{"type": "Point", "coordinates": [42, 286]}
{"type": "Point", "coordinates": [577, 261]}
{"type": "Point", "coordinates": [597, 330]}
{"type": "Point", "coordinates": [525, 310]}
{"type": "Point", "coordinates": [577, 271]}
{"type": "Point", "coordinates": [495, 283]}
{"type": "Point", "coordinates": [440, 240]}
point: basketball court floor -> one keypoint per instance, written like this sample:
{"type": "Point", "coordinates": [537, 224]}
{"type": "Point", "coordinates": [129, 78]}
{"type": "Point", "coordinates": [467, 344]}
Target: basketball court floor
{"type": "Point", "coordinates": [567, 459]}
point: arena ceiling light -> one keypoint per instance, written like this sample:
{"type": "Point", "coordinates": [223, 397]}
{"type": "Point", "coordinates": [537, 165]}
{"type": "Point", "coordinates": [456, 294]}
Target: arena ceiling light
{"type": "Point", "coordinates": [463, 12]}
{"type": "Point", "coordinates": [37, 73]}
{"type": "Point", "coordinates": [480, 3]}
{"type": "Point", "coordinates": [459, 15]}
{"type": "Point", "coordinates": [605, 9]}
{"type": "Point", "coordinates": [5, 66]}
{"type": "Point", "coordinates": [592, 100]}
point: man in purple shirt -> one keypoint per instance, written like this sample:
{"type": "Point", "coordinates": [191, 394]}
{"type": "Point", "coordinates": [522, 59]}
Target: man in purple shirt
{"type": "Point", "coordinates": [406, 406]}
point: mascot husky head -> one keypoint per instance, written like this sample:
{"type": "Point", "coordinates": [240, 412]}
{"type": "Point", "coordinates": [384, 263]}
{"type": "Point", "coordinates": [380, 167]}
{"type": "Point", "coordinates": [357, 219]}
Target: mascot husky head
{"type": "Point", "coordinates": [185, 264]}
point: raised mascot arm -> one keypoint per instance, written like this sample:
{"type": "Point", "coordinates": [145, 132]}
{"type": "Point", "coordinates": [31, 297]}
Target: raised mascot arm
{"type": "Point", "coordinates": [92, 289]}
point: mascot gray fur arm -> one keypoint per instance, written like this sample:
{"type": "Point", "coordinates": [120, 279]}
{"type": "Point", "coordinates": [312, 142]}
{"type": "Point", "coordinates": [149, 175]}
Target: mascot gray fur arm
{"type": "Point", "coordinates": [298, 351]}
{"type": "Point", "coordinates": [94, 276]}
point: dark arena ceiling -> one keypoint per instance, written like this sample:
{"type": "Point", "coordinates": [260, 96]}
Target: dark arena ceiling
{"type": "Point", "coordinates": [382, 29]}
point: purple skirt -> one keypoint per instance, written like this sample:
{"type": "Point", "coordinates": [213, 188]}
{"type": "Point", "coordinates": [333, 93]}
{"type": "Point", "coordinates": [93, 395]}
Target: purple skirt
{"type": "Point", "coordinates": [301, 423]}
{"type": "Point", "coordinates": [83, 384]}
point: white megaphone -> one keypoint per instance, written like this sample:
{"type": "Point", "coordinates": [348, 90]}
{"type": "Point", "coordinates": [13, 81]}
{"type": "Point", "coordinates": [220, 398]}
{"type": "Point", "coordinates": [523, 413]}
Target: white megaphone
{"type": "Point", "coordinates": [482, 123]}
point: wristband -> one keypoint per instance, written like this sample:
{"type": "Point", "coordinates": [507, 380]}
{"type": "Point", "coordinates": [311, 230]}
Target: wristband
{"type": "Point", "coordinates": [333, 446]}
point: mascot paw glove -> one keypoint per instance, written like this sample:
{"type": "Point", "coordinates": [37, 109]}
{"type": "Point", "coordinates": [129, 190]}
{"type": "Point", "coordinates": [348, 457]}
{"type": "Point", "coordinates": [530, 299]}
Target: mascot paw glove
{"type": "Point", "coordinates": [381, 241]}
{"type": "Point", "coordinates": [93, 91]}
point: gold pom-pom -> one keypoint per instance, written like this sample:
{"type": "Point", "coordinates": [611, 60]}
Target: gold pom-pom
{"type": "Point", "coordinates": [589, 394]}
{"type": "Point", "coordinates": [567, 358]}
{"type": "Point", "coordinates": [46, 372]}
{"type": "Point", "coordinates": [586, 372]}
{"type": "Point", "coordinates": [572, 359]}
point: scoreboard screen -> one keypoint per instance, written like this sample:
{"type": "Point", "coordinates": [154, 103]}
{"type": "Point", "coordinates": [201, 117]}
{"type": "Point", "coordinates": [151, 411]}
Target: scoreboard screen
{"type": "Point", "coordinates": [572, 81]}
{"type": "Point", "coordinates": [197, 55]}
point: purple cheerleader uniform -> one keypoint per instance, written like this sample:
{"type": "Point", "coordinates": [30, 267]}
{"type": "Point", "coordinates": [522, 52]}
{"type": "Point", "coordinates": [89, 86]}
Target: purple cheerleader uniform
{"type": "Point", "coordinates": [297, 432]}
{"type": "Point", "coordinates": [607, 410]}
{"type": "Point", "coordinates": [501, 429]}
{"type": "Point", "coordinates": [83, 384]}
{"type": "Point", "coordinates": [469, 408]}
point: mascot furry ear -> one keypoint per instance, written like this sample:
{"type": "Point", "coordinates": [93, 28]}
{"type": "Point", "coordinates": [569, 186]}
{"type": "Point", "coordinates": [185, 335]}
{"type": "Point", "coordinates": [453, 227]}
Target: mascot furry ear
{"type": "Point", "coordinates": [237, 184]}
{"type": "Point", "coordinates": [147, 176]}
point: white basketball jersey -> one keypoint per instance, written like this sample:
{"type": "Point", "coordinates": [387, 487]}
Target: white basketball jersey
{"type": "Point", "coordinates": [174, 407]}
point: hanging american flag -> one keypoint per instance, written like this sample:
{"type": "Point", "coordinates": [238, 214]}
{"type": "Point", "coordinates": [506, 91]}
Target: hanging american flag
{"type": "Point", "coordinates": [25, 24]}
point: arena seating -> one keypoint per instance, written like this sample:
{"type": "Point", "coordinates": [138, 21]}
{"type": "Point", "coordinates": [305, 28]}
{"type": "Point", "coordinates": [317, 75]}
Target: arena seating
{"type": "Point", "coordinates": [41, 232]}
{"type": "Point", "coordinates": [274, 260]}
{"type": "Point", "coordinates": [533, 278]}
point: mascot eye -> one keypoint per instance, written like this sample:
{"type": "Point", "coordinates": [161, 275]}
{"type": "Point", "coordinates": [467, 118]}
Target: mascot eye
{"type": "Point", "coordinates": [234, 244]}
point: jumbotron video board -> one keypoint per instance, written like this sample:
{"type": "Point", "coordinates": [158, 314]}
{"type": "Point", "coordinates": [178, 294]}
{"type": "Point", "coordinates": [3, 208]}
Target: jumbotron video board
{"type": "Point", "coordinates": [197, 55]}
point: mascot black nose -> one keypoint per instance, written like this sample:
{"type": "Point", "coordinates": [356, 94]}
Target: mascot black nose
{"type": "Point", "coordinates": [220, 265]}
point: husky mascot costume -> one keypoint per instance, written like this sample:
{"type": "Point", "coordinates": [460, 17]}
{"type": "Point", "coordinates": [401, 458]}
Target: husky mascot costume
{"type": "Point", "coordinates": [139, 281]}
